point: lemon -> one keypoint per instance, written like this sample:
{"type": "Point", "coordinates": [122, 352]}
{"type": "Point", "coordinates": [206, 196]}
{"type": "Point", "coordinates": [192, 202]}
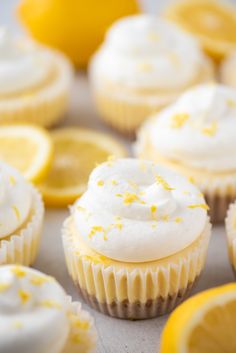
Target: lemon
{"type": "Point", "coordinates": [212, 21]}
{"type": "Point", "coordinates": [75, 27]}
{"type": "Point", "coordinates": [76, 153]}
{"type": "Point", "coordinates": [203, 324]}
{"type": "Point", "coordinates": [27, 148]}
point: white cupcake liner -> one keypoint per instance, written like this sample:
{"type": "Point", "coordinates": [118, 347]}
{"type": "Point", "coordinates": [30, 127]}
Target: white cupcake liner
{"type": "Point", "coordinates": [135, 293]}
{"type": "Point", "coordinates": [86, 334]}
{"type": "Point", "coordinates": [22, 247]}
{"type": "Point", "coordinates": [126, 108]}
{"type": "Point", "coordinates": [230, 223]}
{"type": "Point", "coordinates": [47, 105]}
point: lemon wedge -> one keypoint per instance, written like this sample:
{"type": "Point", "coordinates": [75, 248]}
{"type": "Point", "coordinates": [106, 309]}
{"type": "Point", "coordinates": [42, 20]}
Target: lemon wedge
{"type": "Point", "coordinates": [28, 148]}
{"type": "Point", "coordinates": [203, 324]}
{"type": "Point", "coordinates": [212, 21]}
{"type": "Point", "coordinates": [76, 153]}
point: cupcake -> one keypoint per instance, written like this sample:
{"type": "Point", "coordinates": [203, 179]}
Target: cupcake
{"type": "Point", "coordinates": [34, 82]}
{"type": "Point", "coordinates": [196, 137]}
{"type": "Point", "coordinates": [143, 65]}
{"type": "Point", "coordinates": [227, 72]}
{"type": "Point", "coordinates": [37, 316]}
{"type": "Point", "coordinates": [21, 218]}
{"type": "Point", "coordinates": [230, 223]}
{"type": "Point", "coordinates": [136, 241]}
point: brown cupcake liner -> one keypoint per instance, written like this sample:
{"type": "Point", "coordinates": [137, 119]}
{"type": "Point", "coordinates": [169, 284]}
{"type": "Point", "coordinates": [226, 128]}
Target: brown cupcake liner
{"type": "Point", "coordinates": [44, 106]}
{"type": "Point", "coordinates": [138, 310]}
{"type": "Point", "coordinates": [22, 247]}
{"type": "Point", "coordinates": [138, 292]}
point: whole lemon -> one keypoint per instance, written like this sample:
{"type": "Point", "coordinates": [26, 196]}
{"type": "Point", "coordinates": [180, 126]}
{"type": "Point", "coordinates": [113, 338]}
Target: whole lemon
{"type": "Point", "coordinates": [76, 27]}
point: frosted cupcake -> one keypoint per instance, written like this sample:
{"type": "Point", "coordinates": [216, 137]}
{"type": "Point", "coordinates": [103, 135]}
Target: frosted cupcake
{"type": "Point", "coordinates": [143, 65]}
{"type": "Point", "coordinates": [21, 218]}
{"type": "Point", "coordinates": [37, 316]}
{"type": "Point", "coordinates": [136, 241]}
{"type": "Point", "coordinates": [196, 137]}
{"type": "Point", "coordinates": [230, 223]}
{"type": "Point", "coordinates": [34, 82]}
{"type": "Point", "coordinates": [227, 70]}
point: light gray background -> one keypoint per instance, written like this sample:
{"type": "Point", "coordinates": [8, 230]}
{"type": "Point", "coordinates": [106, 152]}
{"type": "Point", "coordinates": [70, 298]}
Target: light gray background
{"type": "Point", "coordinates": [114, 336]}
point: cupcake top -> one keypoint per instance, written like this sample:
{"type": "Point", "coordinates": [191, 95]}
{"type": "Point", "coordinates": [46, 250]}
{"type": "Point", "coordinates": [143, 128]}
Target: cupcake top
{"type": "Point", "coordinates": [36, 315]}
{"type": "Point", "coordinates": [22, 65]}
{"type": "Point", "coordinates": [15, 200]}
{"type": "Point", "coordinates": [144, 51]}
{"type": "Point", "coordinates": [32, 312]}
{"type": "Point", "coordinates": [136, 211]}
{"type": "Point", "coordinates": [198, 130]}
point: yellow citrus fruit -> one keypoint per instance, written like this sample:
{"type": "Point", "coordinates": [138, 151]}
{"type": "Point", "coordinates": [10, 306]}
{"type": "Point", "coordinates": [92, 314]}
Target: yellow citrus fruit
{"type": "Point", "coordinates": [27, 148]}
{"type": "Point", "coordinates": [203, 324]}
{"type": "Point", "coordinates": [77, 151]}
{"type": "Point", "coordinates": [75, 27]}
{"type": "Point", "coordinates": [212, 21]}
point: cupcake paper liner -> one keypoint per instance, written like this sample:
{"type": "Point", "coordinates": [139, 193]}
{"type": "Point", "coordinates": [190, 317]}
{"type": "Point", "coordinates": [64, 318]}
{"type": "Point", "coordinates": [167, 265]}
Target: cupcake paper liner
{"type": "Point", "coordinates": [22, 247]}
{"type": "Point", "coordinates": [45, 106]}
{"type": "Point", "coordinates": [230, 223]}
{"type": "Point", "coordinates": [83, 334]}
{"type": "Point", "coordinates": [125, 110]}
{"type": "Point", "coordinates": [138, 292]}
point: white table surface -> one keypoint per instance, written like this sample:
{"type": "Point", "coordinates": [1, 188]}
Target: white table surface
{"type": "Point", "coordinates": [114, 336]}
{"type": "Point", "coordinates": [118, 336]}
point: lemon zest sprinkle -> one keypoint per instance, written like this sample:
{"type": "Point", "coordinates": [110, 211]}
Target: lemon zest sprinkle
{"type": "Point", "coordinates": [210, 130]}
{"type": "Point", "coordinates": [165, 218]}
{"type": "Point", "coordinates": [200, 205]}
{"type": "Point", "coordinates": [119, 226]}
{"type": "Point", "coordinates": [4, 287]}
{"type": "Point", "coordinates": [164, 183]}
{"type": "Point", "coordinates": [51, 304]}
{"type": "Point", "coordinates": [24, 296]}
{"type": "Point", "coordinates": [231, 103]}
{"type": "Point", "coordinates": [12, 180]}
{"type": "Point", "coordinates": [38, 281]}
{"type": "Point", "coordinates": [100, 183]}
{"type": "Point", "coordinates": [191, 180]}
{"type": "Point", "coordinates": [18, 271]}
{"type": "Point", "coordinates": [178, 120]}
{"type": "Point", "coordinates": [129, 198]}
{"type": "Point", "coordinates": [17, 324]}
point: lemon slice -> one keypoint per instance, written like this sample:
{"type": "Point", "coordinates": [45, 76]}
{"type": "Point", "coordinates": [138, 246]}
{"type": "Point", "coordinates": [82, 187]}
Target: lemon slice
{"type": "Point", "coordinates": [76, 153]}
{"type": "Point", "coordinates": [203, 324]}
{"type": "Point", "coordinates": [27, 148]}
{"type": "Point", "coordinates": [212, 21]}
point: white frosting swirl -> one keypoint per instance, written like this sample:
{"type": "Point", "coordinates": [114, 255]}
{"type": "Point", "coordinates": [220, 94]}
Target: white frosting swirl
{"type": "Point", "coordinates": [136, 211]}
{"type": "Point", "coordinates": [21, 66]}
{"type": "Point", "coordinates": [198, 130]}
{"type": "Point", "coordinates": [148, 52]}
{"type": "Point", "coordinates": [37, 316]}
{"type": "Point", "coordinates": [15, 200]}
{"type": "Point", "coordinates": [33, 311]}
